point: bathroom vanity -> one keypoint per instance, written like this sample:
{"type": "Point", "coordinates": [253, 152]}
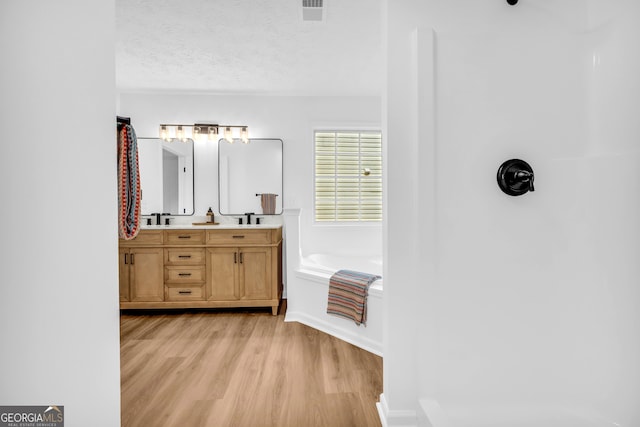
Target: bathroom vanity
{"type": "Point", "coordinates": [202, 267]}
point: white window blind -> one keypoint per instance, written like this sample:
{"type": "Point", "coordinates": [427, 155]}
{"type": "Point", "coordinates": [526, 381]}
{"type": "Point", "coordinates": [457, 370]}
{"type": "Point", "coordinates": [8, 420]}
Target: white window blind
{"type": "Point", "coordinates": [348, 176]}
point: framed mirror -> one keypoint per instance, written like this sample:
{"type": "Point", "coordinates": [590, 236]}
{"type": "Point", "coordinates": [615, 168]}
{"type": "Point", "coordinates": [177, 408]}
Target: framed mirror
{"type": "Point", "coordinates": [250, 177]}
{"type": "Point", "coordinates": [166, 176]}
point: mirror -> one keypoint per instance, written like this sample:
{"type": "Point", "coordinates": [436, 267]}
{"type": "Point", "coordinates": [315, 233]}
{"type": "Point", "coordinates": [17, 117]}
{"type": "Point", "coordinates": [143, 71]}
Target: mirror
{"type": "Point", "coordinates": [166, 176]}
{"type": "Point", "coordinates": [250, 177]}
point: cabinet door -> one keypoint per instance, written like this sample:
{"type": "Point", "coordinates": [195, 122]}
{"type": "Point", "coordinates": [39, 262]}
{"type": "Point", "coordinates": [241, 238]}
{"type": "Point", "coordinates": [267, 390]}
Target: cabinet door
{"type": "Point", "coordinates": [222, 274]}
{"type": "Point", "coordinates": [146, 271]}
{"type": "Point", "coordinates": [255, 273]}
{"type": "Point", "coordinates": [123, 268]}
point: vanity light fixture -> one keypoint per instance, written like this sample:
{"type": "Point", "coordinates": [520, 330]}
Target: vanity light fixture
{"type": "Point", "coordinates": [169, 132]}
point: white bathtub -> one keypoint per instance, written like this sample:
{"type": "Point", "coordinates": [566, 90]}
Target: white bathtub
{"type": "Point", "coordinates": [327, 264]}
{"type": "Point", "coordinates": [307, 287]}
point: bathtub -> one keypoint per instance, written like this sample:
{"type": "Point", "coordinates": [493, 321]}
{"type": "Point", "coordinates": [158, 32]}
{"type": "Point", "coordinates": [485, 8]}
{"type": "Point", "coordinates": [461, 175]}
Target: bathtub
{"type": "Point", "coordinates": [307, 289]}
{"type": "Point", "coordinates": [327, 264]}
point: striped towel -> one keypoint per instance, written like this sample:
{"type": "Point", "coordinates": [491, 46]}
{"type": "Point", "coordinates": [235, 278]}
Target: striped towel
{"type": "Point", "coordinates": [128, 184]}
{"type": "Point", "coordinates": [268, 201]}
{"type": "Point", "coordinates": [348, 294]}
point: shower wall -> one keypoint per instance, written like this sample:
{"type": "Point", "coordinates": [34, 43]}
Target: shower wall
{"type": "Point", "coordinates": [526, 302]}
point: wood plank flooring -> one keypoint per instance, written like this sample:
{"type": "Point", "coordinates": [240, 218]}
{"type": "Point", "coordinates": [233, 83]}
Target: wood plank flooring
{"type": "Point", "coordinates": [242, 368]}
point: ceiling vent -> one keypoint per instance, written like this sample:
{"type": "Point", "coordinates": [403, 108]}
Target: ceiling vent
{"type": "Point", "coordinates": [312, 10]}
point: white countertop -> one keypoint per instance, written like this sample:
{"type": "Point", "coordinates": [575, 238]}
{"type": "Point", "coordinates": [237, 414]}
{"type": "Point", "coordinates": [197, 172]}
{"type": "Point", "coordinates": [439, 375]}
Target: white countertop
{"type": "Point", "coordinates": [208, 227]}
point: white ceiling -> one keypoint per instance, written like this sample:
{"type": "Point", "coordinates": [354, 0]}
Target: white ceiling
{"type": "Point", "coordinates": [248, 46]}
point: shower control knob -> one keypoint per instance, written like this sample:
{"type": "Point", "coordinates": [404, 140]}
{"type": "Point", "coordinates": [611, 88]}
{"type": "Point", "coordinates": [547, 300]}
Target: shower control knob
{"type": "Point", "coordinates": [515, 177]}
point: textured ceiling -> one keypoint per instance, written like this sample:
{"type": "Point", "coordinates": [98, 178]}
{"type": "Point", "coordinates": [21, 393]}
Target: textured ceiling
{"type": "Point", "coordinates": [248, 46]}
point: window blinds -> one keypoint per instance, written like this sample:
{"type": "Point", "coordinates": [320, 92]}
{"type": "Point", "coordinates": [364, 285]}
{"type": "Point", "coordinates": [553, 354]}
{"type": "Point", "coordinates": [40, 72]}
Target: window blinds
{"type": "Point", "coordinates": [348, 176]}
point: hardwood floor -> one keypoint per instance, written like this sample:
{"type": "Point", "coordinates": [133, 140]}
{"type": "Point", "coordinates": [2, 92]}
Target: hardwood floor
{"type": "Point", "coordinates": [242, 368]}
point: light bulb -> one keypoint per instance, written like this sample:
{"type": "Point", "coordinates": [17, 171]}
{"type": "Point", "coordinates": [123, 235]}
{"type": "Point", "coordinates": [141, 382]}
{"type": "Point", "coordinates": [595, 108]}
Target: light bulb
{"type": "Point", "coordinates": [164, 133]}
{"type": "Point", "coordinates": [180, 134]}
{"type": "Point", "coordinates": [228, 135]}
{"type": "Point", "coordinates": [213, 133]}
{"type": "Point", "coordinates": [244, 135]}
{"type": "Point", "coordinates": [196, 132]}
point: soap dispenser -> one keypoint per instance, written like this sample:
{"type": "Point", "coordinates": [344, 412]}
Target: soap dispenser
{"type": "Point", "coordinates": [210, 215]}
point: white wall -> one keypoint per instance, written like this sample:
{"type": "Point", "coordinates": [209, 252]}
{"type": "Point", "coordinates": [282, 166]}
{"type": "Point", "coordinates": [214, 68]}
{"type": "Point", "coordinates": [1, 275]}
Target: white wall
{"type": "Point", "coordinates": [291, 119]}
{"type": "Point", "coordinates": [59, 318]}
{"type": "Point", "coordinates": [527, 301]}
{"type": "Point", "coordinates": [612, 212]}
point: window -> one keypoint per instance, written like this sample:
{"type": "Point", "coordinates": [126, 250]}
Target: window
{"type": "Point", "coordinates": [348, 176]}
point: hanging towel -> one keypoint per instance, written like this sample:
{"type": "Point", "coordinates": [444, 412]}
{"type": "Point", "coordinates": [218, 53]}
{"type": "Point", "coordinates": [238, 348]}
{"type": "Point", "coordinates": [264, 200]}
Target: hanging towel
{"type": "Point", "coordinates": [268, 201]}
{"type": "Point", "coordinates": [348, 292]}
{"type": "Point", "coordinates": [128, 183]}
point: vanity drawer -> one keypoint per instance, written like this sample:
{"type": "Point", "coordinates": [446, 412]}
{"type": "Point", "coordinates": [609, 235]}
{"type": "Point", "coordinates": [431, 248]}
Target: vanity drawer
{"type": "Point", "coordinates": [186, 256]}
{"type": "Point", "coordinates": [184, 237]}
{"type": "Point", "coordinates": [144, 237]}
{"type": "Point", "coordinates": [238, 237]}
{"type": "Point", "coordinates": [187, 274]}
{"type": "Point", "coordinates": [190, 293]}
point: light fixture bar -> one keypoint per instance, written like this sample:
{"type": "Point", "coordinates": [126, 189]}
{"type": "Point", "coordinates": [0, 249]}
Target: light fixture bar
{"type": "Point", "coordinates": [200, 130]}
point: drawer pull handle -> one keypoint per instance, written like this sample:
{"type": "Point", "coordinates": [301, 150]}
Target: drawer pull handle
{"type": "Point", "coordinates": [184, 274]}
{"type": "Point", "coordinates": [241, 257]}
{"type": "Point", "coordinates": [184, 237]}
{"type": "Point", "coordinates": [238, 237]}
{"type": "Point", "coordinates": [235, 257]}
{"type": "Point", "coordinates": [131, 259]}
{"type": "Point", "coordinates": [184, 292]}
{"type": "Point", "coordinates": [126, 259]}
{"type": "Point", "coordinates": [184, 256]}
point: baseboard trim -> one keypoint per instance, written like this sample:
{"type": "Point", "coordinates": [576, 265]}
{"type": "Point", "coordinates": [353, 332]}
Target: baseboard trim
{"type": "Point", "coordinates": [431, 414]}
{"type": "Point", "coordinates": [395, 418]}
{"type": "Point", "coordinates": [364, 343]}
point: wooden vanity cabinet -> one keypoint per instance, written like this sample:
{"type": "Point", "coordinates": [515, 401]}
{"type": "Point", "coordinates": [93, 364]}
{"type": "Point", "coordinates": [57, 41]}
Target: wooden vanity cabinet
{"type": "Point", "coordinates": [140, 265]}
{"type": "Point", "coordinates": [183, 268]}
{"type": "Point", "coordinates": [241, 273]}
{"type": "Point", "coordinates": [222, 274]}
{"type": "Point", "coordinates": [184, 274]}
{"type": "Point", "coordinates": [255, 273]}
{"type": "Point", "coordinates": [123, 270]}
